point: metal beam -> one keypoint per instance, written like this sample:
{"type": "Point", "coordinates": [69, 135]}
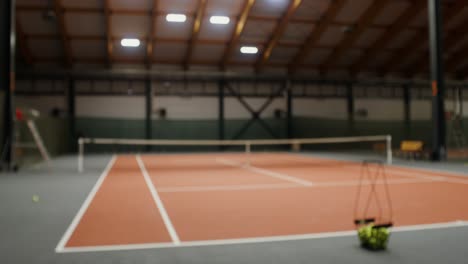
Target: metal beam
{"type": "Point", "coordinates": [255, 113]}
{"type": "Point", "coordinates": [152, 35]}
{"type": "Point", "coordinates": [439, 151]}
{"type": "Point", "coordinates": [195, 31]}
{"type": "Point", "coordinates": [277, 33]}
{"type": "Point", "coordinates": [239, 28]}
{"type": "Point", "coordinates": [400, 24]}
{"type": "Point", "coordinates": [148, 109]}
{"type": "Point", "coordinates": [7, 79]}
{"type": "Point", "coordinates": [289, 110]}
{"type": "Point", "coordinates": [349, 39]}
{"type": "Point", "coordinates": [62, 29]}
{"type": "Point", "coordinates": [221, 129]}
{"type": "Point", "coordinates": [316, 34]}
{"type": "Point", "coordinates": [407, 110]}
{"type": "Point", "coordinates": [350, 106]}
{"type": "Point", "coordinates": [71, 102]}
{"type": "Point", "coordinates": [109, 41]}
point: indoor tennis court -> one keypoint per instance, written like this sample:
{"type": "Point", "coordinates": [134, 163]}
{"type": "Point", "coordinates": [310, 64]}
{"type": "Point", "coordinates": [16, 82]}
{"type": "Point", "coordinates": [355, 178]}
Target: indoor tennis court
{"type": "Point", "coordinates": [233, 131]}
{"type": "Point", "coordinates": [277, 197]}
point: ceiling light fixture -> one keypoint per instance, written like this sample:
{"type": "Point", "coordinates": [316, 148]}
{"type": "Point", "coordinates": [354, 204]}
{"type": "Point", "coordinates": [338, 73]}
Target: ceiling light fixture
{"type": "Point", "coordinates": [249, 50]}
{"type": "Point", "coordinates": [177, 18]}
{"type": "Point", "coordinates": [130, 42]}
{"type": "Point", "coordinates": [220, 20]}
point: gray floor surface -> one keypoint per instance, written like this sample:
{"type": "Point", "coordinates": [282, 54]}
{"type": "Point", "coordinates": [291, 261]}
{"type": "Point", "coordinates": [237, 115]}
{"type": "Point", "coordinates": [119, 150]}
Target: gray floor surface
{"type": "Point", "coordinates": [29, 231]}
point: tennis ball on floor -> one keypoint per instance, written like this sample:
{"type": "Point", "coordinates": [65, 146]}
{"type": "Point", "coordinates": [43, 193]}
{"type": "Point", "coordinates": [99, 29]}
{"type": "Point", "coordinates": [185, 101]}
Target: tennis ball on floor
{"type": "Point", "coordinates": [35, 198]}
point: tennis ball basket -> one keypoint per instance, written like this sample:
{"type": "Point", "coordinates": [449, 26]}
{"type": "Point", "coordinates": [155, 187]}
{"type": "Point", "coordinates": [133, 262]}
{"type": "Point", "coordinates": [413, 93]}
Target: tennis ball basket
{"type": "Point", "coordinates": [373, 236]}
{"type": "Point", "coordinates": [373, 207]}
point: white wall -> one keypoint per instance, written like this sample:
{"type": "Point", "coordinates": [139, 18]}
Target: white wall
{"type": "Point", "coordinates": [207, 107]}
{"type": "Point", "coordinates": [421, 109]}
{"type": "Point", "coordinates": [326, 108]}
{"type": "Point", "coordinates": [187, 108]}
{"type": "Point", "coordinates": [178, 108]}
{"type": "Point", "coordinates": [380, 109]}
{"type": "Point", "coordinates": [129, 107]}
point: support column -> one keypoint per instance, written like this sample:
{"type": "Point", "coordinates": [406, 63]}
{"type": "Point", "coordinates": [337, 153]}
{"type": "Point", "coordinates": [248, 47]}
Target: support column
{"type": "Point", "coordinates": [460, 100]}
{"type": "Point", "coordinates": [289, 110]}
{"type": "Point", "coordinates": [407, 110]}
{"type": "Point", "coordinates": [350, 107]}
{"type": "Point", "coordinates": [221, 110]}
{"type": "Point", "coordinates": [7, 78]}
{"type": "Point", "coordinates": [71, 98]}
{"type": "Point", "coordinates": [437, 77]}
{"type": "Point", "coordinates": [148, 110]}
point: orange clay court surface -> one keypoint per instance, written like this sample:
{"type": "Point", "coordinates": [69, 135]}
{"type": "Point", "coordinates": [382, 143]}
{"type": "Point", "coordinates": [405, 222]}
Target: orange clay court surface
{"type": "Point", "coordinates": [169, 200]}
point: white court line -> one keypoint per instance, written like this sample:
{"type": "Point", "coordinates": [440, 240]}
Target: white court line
{"type": "Point", "coordinates": [264, 172]}
{"type": "Point", "coordinates": [365, 183]}
{"type": "Point", "coordinates": [432, 170]}
{"type": "Point", "coordinates": [411, 172]}
{"type": "Point", "coordinates": [84, 206]}
{"type": "Point", "coordinates": [271, 239]}
{"type": "Point", "coordinates": [226, 187]}
{"type": "Point", "coordinates": [159, 204]}
{"type": "Point", "coordinates": [283, 186]}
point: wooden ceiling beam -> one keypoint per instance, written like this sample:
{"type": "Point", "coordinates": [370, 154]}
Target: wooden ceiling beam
{"type": "Point", "coordinates": [109, 40]}
{"type": "Point", "coordinates": [462, 72]}
{"type": "Point", "coordinates": [23, 44]}
{"type": "Point", "coordinates": [195, 32]}
{"type": "Point", "coordinates": [349, 39]}
{"type": "Point", "coordinates": [133, 12]}
{"type": "Point", "coordinates": [456, 59]}
{"type": "Point", "coordinates": [452, 38]}
{"type": "Point", "coordinates": [238, 29]}
{"type": "Point", "coordinates": [257, 42]}
{"type": "Point", "coordinates": [396, 28]}
{"type": "Point", "coordinates": [415, 43]}
{"type": "Point", "coordinates": [103, 61]}
{"type": "Point", "coordinates": [62, 29]}
{"type": "Point", "coordinates": [314, 37]}
{"type": "Point", "coordinates": [277, 34]}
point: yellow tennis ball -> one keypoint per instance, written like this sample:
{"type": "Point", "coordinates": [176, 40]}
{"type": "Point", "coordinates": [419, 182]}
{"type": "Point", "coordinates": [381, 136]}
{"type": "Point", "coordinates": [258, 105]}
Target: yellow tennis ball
{"type": "Point", "coordinates": [35, 198]}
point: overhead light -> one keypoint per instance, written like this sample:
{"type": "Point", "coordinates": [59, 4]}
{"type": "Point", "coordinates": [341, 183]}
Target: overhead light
{"type": "Point", "coordinates": [249, 50]}
{"type": "Point", "coordinates": [221, 20]}
{"type": "Point", "coordinates": [130, 42]}
{"type": "Point", "coordinates": [179, 18]}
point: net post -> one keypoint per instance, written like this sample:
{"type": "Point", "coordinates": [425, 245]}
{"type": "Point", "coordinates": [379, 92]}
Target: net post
{"type": "Point", "coordinates": [389, 150]}
{"type": "Point", "coordinates": [295, 146]}
{"type": "Point", "coordinates": [80, 155]}
{"type": "Point", "coordinates": [247, 151]}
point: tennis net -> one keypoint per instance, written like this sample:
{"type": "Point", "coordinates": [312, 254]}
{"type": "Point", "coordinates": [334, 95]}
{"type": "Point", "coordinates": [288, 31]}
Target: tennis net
{"type": "Point", "coordinates": [378, 146]}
